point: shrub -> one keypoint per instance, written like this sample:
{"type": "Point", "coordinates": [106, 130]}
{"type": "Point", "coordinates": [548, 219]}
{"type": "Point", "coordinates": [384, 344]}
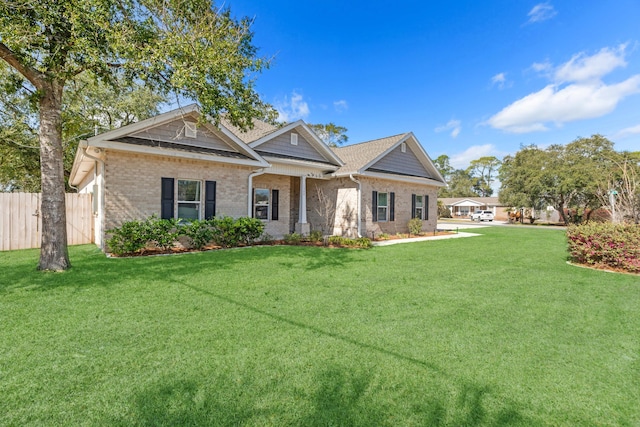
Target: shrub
{"type": "Point", "coordinates": [248, 229]}
{"type": "Point", "coordinates": [605, 245]}
{"type": "Point", "coordinates": [161, 232]}
{"type": "Point", "coordinates": [415, 226]}
{"type": "Point", "coordinates": [199, 232]}
{"type": "Point", "coordinates": [384, 236]}
{"type": "Point", "coordinates": [130, 237]}
{"type": "Point", "coordinates": [315, 236]}
{"type": "Point", "coordinates": [293, 238]}
{"type": "Point", "coordinates": [361, 242]}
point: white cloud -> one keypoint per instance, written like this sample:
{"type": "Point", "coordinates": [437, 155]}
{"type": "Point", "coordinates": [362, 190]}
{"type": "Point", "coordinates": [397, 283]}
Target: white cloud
{"type": "Point", "coordinates": [455, 126]}
{"type": "Point", "coordinates": [340, 106]}
{"type": "Point", "coordinates": [541, 12]}
{"type": "Point", "coordinates": [576, 93]}
{"type": "Point", "coordinates": [500, 80]}
{"type": "Point", "coordinates": [582, 68]}
{"type": "Point", "coordinates": [633, 130]}
{"type": "Point", "coordinates": [463, 160]}
{"type": "Point", "coordinates": [292, 108]}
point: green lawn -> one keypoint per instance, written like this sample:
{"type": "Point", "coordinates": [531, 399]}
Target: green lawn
{"type": "Point", "coordinates": [489, 330]}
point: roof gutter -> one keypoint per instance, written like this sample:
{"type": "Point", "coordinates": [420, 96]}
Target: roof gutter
{"type": "Point", "coordinates": [250, 191]}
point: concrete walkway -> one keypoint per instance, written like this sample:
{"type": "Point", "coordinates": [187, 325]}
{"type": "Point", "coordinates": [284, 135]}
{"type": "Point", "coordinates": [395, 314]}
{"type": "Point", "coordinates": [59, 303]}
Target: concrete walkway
{"type": "Point", "coordinates": [422, 239]}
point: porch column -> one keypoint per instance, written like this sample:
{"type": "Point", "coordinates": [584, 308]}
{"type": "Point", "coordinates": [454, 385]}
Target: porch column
{"type": "Point", "coordinates": [302, 226]}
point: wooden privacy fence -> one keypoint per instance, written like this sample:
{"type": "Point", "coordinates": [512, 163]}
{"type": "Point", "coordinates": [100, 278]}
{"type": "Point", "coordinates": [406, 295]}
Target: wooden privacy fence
{"type": "Point", "coordinates": [21, 225]}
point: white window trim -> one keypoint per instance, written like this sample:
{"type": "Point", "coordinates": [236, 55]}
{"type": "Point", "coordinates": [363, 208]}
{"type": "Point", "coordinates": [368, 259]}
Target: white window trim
{"type": "Point", "coordinates": [177, 200]}
{"type": "Point", "coordinates": [294, 138]}
{"type": "Point", "coordinates": [268, 204]}
{"type": "Point", "coordinates": [386, 208]}
{"type": "Point", "coordinates": [421, 207]}
{"type": "Point", "coordinates": [403, 147]}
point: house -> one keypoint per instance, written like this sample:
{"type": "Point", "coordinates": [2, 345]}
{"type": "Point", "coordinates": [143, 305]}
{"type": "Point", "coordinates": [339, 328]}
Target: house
{"type": "Point", "coordinates": [465, 206]}
{"type": "Point", "coordinates": [175, 166]}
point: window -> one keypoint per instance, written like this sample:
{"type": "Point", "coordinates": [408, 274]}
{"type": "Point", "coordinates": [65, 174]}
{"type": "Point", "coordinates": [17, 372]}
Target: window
{"type": "Point", "coordinates": [294, 139]}
{"type": "Point", "coordinates": [383, 206]}
{"type": "Point", "coordinates": [188, 199]}
{"type": "Point", "coordinates": [418, 212]}
{"type": "Point", "coordinates": [261, 203]}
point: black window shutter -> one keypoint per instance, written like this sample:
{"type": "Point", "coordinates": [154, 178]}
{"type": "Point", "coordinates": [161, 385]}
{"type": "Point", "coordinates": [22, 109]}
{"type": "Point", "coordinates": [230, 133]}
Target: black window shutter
{"type": "Point", "coordinates": [374, 206]}
{"type": "Point", "coordinates": [209, 199]}
{"type": "Point", "coordinates": [253, 203]}
{"type": "Point", "coordinates": [274, 204]}
{"type": "Point", "coordinates": [413, 206]}
{"type": "Point", "coordinates": [426, 207]}
{"type": "Point", "coordinates": [166, 204]}
{"type": "Point", "coordinates": [392, 206]}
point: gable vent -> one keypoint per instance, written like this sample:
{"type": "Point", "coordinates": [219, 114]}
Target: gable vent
{"type": "Point", "coordinates": [190, 130]}
{"type": "Point", "coordinates": [403, 147]}
{"type": "Point", "coordinates": [294, 139]}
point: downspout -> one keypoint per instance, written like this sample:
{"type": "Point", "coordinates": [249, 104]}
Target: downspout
{"type": "Point", "coordinates": [359, 202]}
{"type": "Point", "coordinates": [100, 211]}
{"type": "Point", "coordinates": [250, 191]}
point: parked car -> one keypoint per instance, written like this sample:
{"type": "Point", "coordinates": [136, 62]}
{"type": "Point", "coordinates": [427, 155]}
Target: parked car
{"type": "Point", "coordinates": [482, 216]}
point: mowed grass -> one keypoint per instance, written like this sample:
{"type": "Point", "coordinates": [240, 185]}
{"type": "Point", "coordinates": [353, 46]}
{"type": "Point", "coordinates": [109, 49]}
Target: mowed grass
{"type": "Point", "coordinates": [490, 330]}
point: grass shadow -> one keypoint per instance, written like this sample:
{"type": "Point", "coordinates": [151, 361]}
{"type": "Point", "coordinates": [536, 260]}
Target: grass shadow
{"type": "Point", "coordinates": [90, 267]}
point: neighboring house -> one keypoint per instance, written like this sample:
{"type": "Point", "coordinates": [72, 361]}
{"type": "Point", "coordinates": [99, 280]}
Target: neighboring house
{"type": "Point", "coordinates": [465, 206]}
{"type": "Point", "coordinates": [173, 166]}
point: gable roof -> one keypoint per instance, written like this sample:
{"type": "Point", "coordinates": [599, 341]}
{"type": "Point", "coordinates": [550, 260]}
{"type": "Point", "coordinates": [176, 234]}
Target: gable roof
{"type": "Point", "coordinates": [134, 138]}
{"type": "Point", "coordinates": [303, 129]}
{"type": "Point", "coordinates": [359, 158]}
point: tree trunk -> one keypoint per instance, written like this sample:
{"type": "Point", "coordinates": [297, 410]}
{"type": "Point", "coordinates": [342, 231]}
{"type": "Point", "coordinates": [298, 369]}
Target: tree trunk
{"type": "Point", "coordinates": [54, 254]}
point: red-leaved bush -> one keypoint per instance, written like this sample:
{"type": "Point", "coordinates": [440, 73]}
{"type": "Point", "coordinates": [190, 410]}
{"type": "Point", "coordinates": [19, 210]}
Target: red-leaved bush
{"type": "Point", "coordinates": [606, 245]}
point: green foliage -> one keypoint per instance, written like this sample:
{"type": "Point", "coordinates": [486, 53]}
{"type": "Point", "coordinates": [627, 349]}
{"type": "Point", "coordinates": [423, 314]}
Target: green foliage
{"type": "Point", "coordinates": [331, 134]}
{"type": "Point", "coordinates": [224, 232]}
{"type": "Point", "coordinates": [383, 236]}
{"type": "Point", "coordinates": [565, 177]}
{"type": "Point", "coordinates": [248, 229]}
{"type": "Point", "coordinates": [133, 236]}
{"type": "Point", "coordinates": [129, 238]}
{"type": "Point", "coordinates": [361, 242]}
{"type": "Point", "coordinates": [161, 233]}
{"type": "Point", "coordinates": [605, 245]}
{"type": "Point", "coordinates": [315, 236]}
{"type": "Point", "coordinates": [292, 239]}
{"type": "Point", "coordinates": [415, 226]}
{"type": "Point", "coordinates": [199, 232]}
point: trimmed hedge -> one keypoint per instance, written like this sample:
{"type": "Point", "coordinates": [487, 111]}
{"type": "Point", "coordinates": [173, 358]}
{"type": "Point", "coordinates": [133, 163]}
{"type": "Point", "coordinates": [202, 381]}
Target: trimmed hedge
{"type": "Point", "coordinates": [605, 245]}
{"type": "Point", "coordinates": [134, 236]}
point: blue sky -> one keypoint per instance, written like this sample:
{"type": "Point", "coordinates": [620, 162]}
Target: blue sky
{"type": "Point", "coordinates": [468, 78]}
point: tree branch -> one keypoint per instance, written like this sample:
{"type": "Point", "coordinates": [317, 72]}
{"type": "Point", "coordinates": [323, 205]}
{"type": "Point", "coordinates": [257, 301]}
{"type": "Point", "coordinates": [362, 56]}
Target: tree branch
{"type": "Point", "coordinates": [34, 76]}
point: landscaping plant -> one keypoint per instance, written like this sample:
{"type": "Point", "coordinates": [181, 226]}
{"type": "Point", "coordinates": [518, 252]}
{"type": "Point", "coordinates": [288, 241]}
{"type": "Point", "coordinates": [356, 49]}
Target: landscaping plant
{"type": "Point", "coordinates": [603, 244]}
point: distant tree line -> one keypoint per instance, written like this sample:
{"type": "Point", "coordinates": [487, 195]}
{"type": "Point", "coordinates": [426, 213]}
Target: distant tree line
{"type": "Point", "coordinates": [575, 179]}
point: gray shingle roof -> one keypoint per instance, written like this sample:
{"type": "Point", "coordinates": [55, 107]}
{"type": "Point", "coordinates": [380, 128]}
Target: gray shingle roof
{"type": "Point", "coordinates": [356, 156]}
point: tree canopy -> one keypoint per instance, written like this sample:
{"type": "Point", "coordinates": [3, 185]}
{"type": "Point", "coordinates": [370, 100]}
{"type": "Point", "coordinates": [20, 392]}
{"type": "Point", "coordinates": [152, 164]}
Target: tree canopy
{"type": "Point", "coordinates": [568, 177]}
{"type": "Point", "coordinates": [187, 48]}
{"type": "Point", "coordinates": [332, 134]}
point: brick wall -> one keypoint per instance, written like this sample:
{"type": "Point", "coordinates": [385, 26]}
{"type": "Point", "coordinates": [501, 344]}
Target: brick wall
{"type": "Point", "coordinates": [282, 183]}
{"type": "Point", "coordinates": [403, 192]}
{"type": "Point", "coordinates": [132, 184]}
